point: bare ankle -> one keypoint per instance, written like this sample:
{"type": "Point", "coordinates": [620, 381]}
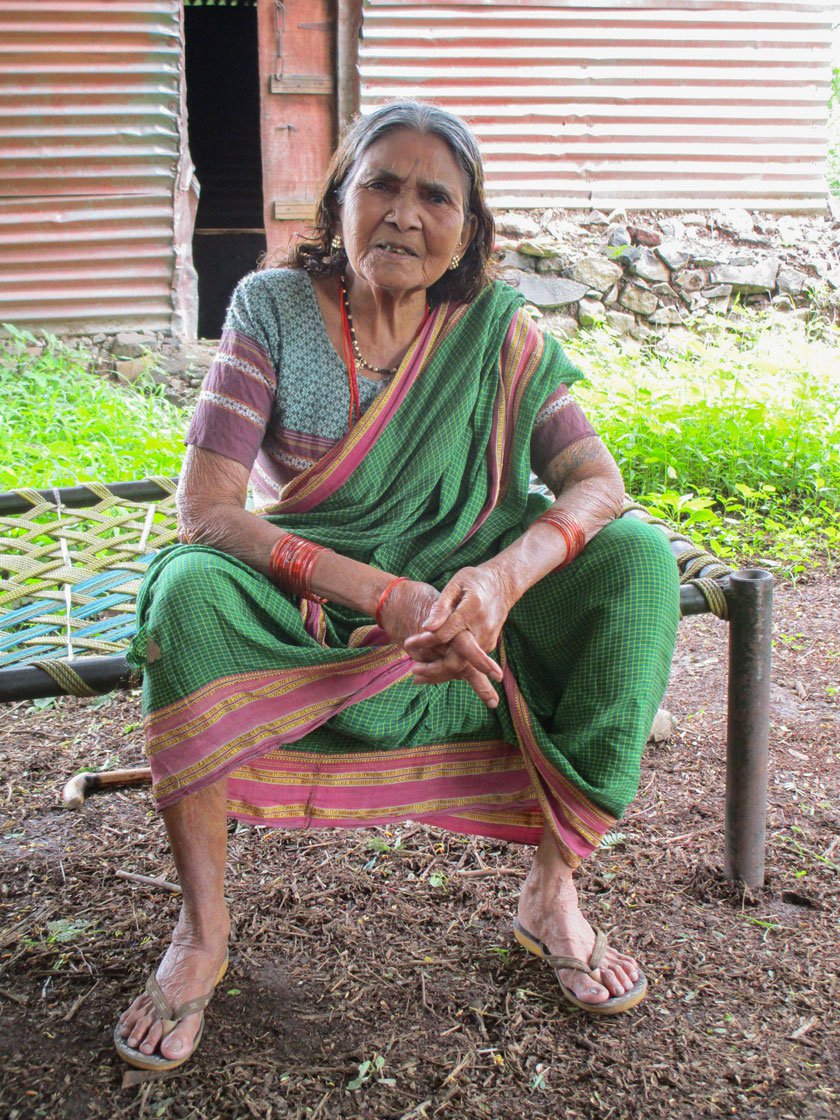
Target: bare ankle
{"type": "Point", "coordinates": [202, 926]}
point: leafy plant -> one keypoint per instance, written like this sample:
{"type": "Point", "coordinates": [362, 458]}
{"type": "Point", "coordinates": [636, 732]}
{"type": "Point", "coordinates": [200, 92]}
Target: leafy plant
{"type": "Point", "coordinates": [370, 1070]}
{"type": "Point", "coordinates": [736, 439]}
{"type": "Point", "coordinates": [61, 424]}
{"type": "Point", "coordinates": [63, 930]}
{"type": "Point", "coordinates": [833, 160]}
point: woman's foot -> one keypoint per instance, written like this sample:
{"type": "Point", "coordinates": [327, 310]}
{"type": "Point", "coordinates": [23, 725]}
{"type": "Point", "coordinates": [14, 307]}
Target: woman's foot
{"type": "Point", "coordinates": [190, 969]}
{"type": "Point", "coordinates": [548, 909]}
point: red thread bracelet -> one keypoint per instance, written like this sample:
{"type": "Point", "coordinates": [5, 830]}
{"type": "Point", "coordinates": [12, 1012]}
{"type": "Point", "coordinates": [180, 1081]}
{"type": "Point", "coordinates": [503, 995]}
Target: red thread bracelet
{"type": "Point", "coordinates": [384, 596]}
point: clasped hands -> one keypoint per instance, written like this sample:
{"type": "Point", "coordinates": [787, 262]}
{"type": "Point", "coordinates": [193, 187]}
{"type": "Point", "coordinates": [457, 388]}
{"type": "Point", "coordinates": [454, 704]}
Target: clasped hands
{"type": "Point", "coordinates": [449, 634]}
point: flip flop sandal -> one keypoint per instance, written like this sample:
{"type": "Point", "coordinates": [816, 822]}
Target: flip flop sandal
{"type": "Point", "coordinates": [170, 1018]}
{"type": "Point", "coordinates": [612, 1006]}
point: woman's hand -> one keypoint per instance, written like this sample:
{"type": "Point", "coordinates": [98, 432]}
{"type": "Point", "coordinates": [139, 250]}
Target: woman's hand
{"type": "Point", "coordinates": [406, 608]}
{"type": "Point", "coordinates": [476, 601]}
{"type": "Point", "coordinates": [458, 661]}
{"type": "Point", "coordinates": [468, 616]}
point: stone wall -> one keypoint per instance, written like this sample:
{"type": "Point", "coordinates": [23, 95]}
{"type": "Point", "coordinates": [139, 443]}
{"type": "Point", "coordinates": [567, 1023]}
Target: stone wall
{"type": "Point", "coordinates": [648, 274]}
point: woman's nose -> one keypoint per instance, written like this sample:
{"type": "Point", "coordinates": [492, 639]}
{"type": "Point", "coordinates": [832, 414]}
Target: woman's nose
{"type": "Point", "coordinates": [405, 214]}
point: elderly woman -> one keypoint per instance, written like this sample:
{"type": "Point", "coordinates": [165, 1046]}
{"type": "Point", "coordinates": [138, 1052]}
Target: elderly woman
{"type": "Point", "coordinates": [387, 402]}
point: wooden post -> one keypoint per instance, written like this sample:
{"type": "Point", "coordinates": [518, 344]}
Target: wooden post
{"type": "Point", "coordinates": [347, 60]}
{"type": "Point", "coordinates": [297, 51]}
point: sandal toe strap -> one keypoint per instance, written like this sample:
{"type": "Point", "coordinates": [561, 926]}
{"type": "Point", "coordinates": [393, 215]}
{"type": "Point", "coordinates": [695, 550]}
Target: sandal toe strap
{"type": "Point", "coordinates": [598, 950]}
{"type": "Point", "coordinates": [170, 1015]}
{"type": "Point", "coordinates": [595, 960]}
{"type": "Point", "coordinates": [567, 962]}
{"type": "Point", "coordinates": [191, 1007]}
{"type": "Point", "coordinates": [159, 1001]}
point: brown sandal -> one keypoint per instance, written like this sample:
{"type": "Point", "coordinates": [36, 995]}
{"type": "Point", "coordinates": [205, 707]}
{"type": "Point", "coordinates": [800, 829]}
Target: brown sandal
{"type": "Point", "coordinates": [170, 1017]}
{"type": "Point", "coordinates": [612, 1006]}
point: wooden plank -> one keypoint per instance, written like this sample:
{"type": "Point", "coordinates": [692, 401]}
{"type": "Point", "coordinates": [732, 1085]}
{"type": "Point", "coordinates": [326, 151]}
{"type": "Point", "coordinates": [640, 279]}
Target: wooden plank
{"type": "Point", "coordinates": [298, 130]}
{"type": "Point", "coordinates": [294, 210]}
{"type": "Point", "coordinates": [301, 83]}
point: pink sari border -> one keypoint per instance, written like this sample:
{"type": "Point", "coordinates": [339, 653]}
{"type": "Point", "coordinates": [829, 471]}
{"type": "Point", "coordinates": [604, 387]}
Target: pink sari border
{"type": "Point", "coordinates": [478, 787]}
{"type": "Point", "coordinates": [216, 732]}
{"type": "Point", "coordinates": [578, 825]}
{"type": "Point", "coordinates": [520, 354]}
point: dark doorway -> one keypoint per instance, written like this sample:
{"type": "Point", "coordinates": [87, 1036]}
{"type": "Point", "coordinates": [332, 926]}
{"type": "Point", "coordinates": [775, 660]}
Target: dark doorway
{"type": "Point", "coordinates": [223, 108]}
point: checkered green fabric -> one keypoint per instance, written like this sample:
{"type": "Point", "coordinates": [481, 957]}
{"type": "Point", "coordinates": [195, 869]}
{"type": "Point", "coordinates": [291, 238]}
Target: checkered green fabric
{"type": "Point", "coordinates": [589, 646]}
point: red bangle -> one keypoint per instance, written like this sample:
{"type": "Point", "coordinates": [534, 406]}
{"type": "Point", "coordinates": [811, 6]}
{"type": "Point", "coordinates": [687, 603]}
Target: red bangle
{"type": "Point", "coordinates": [571, 532]}
{"type": "Point", "coordinates": [290, 565]}
{"type": "Point", "coordinates": [384, 596]}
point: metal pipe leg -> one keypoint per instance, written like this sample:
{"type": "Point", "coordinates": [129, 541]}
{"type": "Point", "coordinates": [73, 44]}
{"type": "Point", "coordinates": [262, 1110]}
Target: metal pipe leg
{"type": "Point", "coordinates": [748, 724]}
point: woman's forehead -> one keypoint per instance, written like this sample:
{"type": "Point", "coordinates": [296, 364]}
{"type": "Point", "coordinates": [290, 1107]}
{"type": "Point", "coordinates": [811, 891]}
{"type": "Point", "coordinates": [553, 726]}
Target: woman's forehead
{"type": "Point", "coordinates": [404, 151]}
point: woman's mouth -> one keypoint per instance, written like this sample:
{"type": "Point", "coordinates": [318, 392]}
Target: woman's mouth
{"type": "Point", "coordinates": [397, 250]}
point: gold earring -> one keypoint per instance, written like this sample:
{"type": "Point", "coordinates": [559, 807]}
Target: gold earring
{"type": "Point", "coordinates": [337, 243]}
{"type": "Point", "coordinates": [456, 260]}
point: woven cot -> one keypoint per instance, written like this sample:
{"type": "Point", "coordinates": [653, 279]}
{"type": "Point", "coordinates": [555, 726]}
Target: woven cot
{"type": "Point", "coordinates": [72, 560]}
{"type": "Point", "coordinates": [71, 564]}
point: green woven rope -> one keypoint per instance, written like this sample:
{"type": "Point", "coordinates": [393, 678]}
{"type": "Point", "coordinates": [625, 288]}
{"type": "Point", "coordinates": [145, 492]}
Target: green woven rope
{"type": "Point", "coordinates": [715, 597]}
{"type": "Point", "coordinates": [67, 679]}
{"type": "Point", "coordinates": [168, 484]}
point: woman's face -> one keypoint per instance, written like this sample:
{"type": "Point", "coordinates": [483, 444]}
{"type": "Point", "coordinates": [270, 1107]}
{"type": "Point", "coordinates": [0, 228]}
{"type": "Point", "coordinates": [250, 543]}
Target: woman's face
{"type": "Point", "coordinates": [402, 219]}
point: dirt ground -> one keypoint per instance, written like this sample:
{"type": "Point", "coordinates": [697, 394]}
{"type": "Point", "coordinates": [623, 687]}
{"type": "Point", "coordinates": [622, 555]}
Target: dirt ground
{"type": "Point", "coordinates": [395, 949]}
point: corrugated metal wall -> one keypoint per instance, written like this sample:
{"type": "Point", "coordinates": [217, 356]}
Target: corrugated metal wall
{"type": "Point", "coordinates": [627, 103]}
{"type": "Point", "coordinates": [89, 149]}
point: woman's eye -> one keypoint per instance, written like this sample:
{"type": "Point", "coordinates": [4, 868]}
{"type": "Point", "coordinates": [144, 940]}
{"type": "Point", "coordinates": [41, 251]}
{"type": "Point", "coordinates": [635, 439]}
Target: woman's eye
{"type": "Point", "coordinates": [437, 197]}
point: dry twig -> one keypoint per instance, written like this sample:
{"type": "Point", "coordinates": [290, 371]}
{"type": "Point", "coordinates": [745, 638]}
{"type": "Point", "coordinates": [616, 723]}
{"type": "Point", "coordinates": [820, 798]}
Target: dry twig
{"type": "Point", "coordinates": [149, 881]}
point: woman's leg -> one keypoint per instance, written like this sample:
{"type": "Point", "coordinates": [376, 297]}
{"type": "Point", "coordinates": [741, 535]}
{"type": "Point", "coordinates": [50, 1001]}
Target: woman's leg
{"type": "Point", "coordinates": [197, 828]}
{"type": "Point", "coordinates": [596, 645]}
{"type": "Point", "coordinates": [548, 908]}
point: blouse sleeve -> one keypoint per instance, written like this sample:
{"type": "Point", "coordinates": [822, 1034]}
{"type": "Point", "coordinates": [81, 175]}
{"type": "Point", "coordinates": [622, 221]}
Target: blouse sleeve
{"type": "Point", "coordinates": [560, 421]}
{"type": "Point", "coordinates": [558, 424]}
{"type": "Point", "coordinates": [237, 396]}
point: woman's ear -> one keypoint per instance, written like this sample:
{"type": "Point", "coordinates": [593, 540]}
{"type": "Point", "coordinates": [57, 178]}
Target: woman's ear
{"type": "Point", "coordinates": [334, 211]}
{"type": "Point", "coordinates": [467, 234]}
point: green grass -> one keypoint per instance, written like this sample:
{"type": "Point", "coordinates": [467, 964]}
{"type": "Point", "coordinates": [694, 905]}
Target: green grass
{"type": "Point", "coordinates": [737, 438]}
{"type": "Point", "coordinates": [61, 424]}
{"type": "Point", "coordinates": [833, 158]}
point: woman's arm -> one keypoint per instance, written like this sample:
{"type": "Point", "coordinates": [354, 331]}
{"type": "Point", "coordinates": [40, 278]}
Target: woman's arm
{"type": "Point", "coordinates": [211, 510]}
{"type": "Point", "coordinates": [587, 486]}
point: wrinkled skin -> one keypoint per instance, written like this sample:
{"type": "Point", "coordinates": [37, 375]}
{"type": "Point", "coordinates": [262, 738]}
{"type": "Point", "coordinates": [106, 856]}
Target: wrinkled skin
{"type": "Point", "coordinates": [404, 614]}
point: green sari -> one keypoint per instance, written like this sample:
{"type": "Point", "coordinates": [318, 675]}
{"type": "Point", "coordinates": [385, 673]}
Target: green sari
{"type": "Point", "coordinates": [309, 711]}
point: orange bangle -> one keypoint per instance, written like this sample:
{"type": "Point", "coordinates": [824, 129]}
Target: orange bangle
{"type": "Point", "coordinates": [384, 596]}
